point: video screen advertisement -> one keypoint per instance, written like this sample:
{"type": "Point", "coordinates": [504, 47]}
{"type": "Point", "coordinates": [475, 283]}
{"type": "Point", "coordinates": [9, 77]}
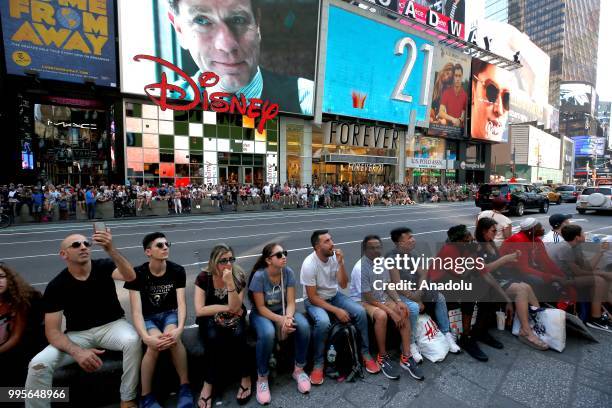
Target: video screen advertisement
{"type": "Point", "coordinates": [72, 41]}
{"type": "Point", "coordinates": [262, 49]}
{"type": "Point", "coordinates": [578, 97]}
{"type": "Point", "coordinates": [585, 146]}
{"type": "Point", "coordinates": [491, 87]}
{"type": "Point", "coordinates": [449, 101]}
{"type": "Point", "coordinates": [382, 77]}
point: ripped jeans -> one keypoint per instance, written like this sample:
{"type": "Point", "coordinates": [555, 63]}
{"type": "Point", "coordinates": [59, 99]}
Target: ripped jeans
{"type": "Point", "coordinates": [118, 335]}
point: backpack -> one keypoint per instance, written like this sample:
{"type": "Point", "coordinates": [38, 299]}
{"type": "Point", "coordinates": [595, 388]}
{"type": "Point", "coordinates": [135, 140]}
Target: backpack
{"type": "Point", "coordinates": [342, 353]}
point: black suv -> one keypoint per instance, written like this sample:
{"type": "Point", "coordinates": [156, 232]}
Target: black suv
{"type": "Point", "coordinates": [518, 197]}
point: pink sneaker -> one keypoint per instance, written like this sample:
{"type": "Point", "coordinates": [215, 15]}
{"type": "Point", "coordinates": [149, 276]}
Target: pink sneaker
{"type": "Point", "coordinates": [303, 382]}
{"type": "Point", "coordinates": [263, 393]}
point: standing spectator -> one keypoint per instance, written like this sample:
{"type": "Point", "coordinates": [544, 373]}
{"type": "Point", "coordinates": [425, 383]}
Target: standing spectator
{"type": "Point", "coordinates": [84, 293]}
{"type": "Point", "coordinates": [38, 200]}
{"type": "Point", "coordinates": [90, 201]}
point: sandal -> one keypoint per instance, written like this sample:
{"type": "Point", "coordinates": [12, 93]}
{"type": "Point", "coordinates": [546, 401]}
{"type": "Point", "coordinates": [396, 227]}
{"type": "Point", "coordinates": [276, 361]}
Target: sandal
{"type": "Point", "coordinates": [205, 401]}
{"type": "Point", "coordinates": [538, 344]}
{"type": "Point", "coordinates": [244, 400]}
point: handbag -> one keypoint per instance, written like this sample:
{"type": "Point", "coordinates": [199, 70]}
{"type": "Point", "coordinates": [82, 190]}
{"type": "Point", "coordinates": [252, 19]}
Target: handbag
{"type": "Point", "coordinates": [227, 320]}
{"type": "Point", "coordinates": [281, 334]}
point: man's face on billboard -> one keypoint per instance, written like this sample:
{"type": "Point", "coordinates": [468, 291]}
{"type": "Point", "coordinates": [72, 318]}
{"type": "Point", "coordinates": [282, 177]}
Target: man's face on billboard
{"type": "Point", "coordinates": [490, 103]}
{"type": "Point", "coordinates": [223, 37]}
{"type": "Point", "coordinates": [458, 76]}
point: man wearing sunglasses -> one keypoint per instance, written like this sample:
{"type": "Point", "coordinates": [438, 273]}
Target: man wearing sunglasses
{"type": "Point", "coordinates": [490, 101]}
{"type": "Point", "coordinates": [85, 294]}
{"type": "Point", "coordinates": [159, 310]}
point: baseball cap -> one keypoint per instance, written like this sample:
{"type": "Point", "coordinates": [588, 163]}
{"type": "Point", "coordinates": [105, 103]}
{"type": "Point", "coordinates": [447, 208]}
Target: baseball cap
{"type": "Point", "coordinates": [528, 223]}
{"type": "Point", "coordinates": [556, 220]}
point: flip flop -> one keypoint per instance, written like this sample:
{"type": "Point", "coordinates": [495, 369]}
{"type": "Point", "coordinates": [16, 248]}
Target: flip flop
{"type": "Point", "coordinates": [538, 346]}
{"type": "Point", "coordinates": [244, 400]}
{"type": "Point", "coordinates": [205, 401]}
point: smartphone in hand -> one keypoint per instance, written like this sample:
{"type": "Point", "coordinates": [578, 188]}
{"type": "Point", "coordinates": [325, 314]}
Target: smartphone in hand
{"type": "Point", "coordinates": [99, 227]}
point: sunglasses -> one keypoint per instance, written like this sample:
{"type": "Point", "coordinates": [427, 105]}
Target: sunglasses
{"type": "Point", "coordinates": [161, 245]}
{"type": "Point", "coordinates": [77, 244]}
{"type": "Point", "coordinates": [280, 254]}
{"type": "Point", "coordinates": [492, 92]}
{"type": "Point", "coordinates": [225, 261]}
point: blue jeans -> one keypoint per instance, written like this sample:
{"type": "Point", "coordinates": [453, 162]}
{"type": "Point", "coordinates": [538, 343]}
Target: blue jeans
{"type": "Point", "coordinates": [413, 307]}
{"type": "Point", "coordinates": [322, 324]}
{"type": "Point", "coordinates": [161, 320]}
{"type": "Point", "coordinates": [266, 335]}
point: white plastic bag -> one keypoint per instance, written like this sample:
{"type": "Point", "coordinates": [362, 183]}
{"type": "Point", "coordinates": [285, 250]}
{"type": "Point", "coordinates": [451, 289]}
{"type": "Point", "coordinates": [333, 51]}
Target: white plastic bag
{"type": "Point", "coordinates": [431, 341]}
{"type": "Point", "coordinates": [548, 325]}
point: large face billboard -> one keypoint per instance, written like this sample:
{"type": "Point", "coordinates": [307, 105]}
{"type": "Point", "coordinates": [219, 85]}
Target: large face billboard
{"type": "Point", "coordinates": [71, 41]}
{"type": "Point", "coordinates": [381, 77]}
{"type": "Point", "coordinates": [449, 102]}
{"type": "Point", "coordinates": [264, 50]}
{"type": "Point", "coordinates": [490, 102]}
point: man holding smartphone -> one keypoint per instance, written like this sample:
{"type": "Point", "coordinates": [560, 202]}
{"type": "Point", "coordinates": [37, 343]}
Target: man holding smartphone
{"type": "Point", "coordinates": [84, 293]}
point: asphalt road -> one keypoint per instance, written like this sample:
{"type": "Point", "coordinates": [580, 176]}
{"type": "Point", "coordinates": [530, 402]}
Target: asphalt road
{"type": "Point", "coordinates": [33, 249]}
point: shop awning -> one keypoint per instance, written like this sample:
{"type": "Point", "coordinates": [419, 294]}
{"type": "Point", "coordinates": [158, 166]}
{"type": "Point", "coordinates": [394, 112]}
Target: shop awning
{"type": "Point", "coordinates": [348, 158]}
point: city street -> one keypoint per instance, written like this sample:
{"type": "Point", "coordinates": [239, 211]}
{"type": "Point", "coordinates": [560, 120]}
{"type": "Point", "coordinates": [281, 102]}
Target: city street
{"type": "Point", "coordinates": [515, 376]}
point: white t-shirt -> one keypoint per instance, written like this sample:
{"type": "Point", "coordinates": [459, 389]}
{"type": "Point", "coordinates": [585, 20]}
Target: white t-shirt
{"type": "Point", "coordinates": [314, 272]}
{"type": "Point", "coordinates": [552, 237]}
{"type": "Point", "coordinates": [502, 222]}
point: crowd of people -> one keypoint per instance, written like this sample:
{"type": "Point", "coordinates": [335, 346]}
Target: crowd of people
{"type": "Point", "coordinates": [43, 200]}
{"type": "Point", "coordinates": [521, 273]}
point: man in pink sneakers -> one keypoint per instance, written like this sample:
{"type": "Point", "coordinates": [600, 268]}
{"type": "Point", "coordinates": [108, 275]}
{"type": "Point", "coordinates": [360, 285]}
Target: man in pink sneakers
{"type": "Point", "coordinates": [321, 274]}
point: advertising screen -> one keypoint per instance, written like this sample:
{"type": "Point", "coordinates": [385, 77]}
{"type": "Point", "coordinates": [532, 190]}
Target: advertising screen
{"type": "Point", "coordinates": [491, 88]}
{"type": "Point", "coordinates": [589, 145]}
{"type": "Point", "coordinates": [72, 41]}
{"type": "Point", "coordinates": [544, 149]}
{"type": "Point", "coordinates": [381, 77]}
{"type": "Point", "coordinates": [449, 102]}
{"type": "Point", "coordinates": [260, 49]}
{"type": "Point", "coordinates": [577, 97]}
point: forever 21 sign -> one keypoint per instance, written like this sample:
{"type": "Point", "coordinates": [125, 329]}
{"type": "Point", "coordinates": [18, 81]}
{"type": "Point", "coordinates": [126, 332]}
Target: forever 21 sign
{"type": "Point", "coordinates": [360, 135]}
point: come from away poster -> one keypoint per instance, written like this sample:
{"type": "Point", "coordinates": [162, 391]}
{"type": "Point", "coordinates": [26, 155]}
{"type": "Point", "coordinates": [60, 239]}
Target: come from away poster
{"type": "Point", "coordinates": [64, 40]}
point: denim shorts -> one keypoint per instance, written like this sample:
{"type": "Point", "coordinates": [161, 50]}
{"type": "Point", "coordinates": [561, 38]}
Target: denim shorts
{"type": "Point", "coordinates": [161, 320]}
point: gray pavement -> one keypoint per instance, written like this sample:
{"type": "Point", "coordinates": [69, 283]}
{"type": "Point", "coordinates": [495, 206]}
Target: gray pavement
{"type": "Point", "coordinates": [514, 377]}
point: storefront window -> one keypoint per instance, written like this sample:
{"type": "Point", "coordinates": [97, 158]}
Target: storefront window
{"type": "Point", "coordinates": [197, 147]}
{"type": "Point", "coordinates": [295, 134]}
{"type": "Point", "coordinates": [72, 145]}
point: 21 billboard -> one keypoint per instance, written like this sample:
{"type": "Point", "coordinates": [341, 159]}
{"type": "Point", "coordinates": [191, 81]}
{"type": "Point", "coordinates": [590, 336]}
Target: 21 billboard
{"type": "Point", "coordinates": [375, 71]}
{"type": "Point", "coordinates": [70, 41]}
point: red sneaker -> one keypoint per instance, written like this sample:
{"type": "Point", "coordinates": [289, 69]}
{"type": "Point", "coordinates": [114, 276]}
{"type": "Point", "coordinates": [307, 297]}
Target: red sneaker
{"type": "Point", "coordinates": [371, 366]}
{"type": "Point", "coordinates": [317, 376]}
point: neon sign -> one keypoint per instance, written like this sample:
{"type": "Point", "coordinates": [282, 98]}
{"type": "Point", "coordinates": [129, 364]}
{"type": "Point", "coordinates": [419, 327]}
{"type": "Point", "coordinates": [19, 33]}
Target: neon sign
{"type": "Point", "coordinates": [222, 102]}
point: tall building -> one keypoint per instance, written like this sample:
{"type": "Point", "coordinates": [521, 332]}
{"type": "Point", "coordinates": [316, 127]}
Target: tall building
{"type": "Point", "coordinates": [497, 10]}
{"type": "Point", "coordinates": [567, 30]}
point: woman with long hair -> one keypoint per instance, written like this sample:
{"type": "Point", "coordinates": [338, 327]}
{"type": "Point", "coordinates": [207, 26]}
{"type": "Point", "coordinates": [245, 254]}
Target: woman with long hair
{"type": "Point", "coordinates": [443, 81]}
{"type": "Point", "coordinates": [16, 309]}
{"type": "Point", "coordinates": [221, 317]}
{"type": "Point", "coordinates": [525, 300]}
{"type": "Point", "coordinates": [272, 293]}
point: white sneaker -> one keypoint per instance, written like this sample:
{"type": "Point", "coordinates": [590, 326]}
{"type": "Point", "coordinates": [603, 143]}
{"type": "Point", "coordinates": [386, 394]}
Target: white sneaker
{"type": "Point", "coordinates": [452, 345]}
{"type": "Point", "coordinates": [416, 354]}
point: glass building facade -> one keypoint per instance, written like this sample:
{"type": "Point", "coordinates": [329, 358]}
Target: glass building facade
{"type": "Point", "coordinates": [567, 30]}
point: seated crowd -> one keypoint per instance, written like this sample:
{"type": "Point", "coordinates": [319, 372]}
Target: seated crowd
{"type": "Point", "coordinates": [514, 277]}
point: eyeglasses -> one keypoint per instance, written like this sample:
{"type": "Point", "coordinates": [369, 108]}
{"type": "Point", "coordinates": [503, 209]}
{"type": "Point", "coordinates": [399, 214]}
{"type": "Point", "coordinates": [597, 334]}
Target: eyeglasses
{"type": "Point", "coordinates": [225, 261]}
{"type": "Point", "coordinates": [280, 254]}
{"type": "Point", "coordinates": [77, 244]}
{"type": "Point", "coordinates": [161, 245]}
{"type": "Point", "coordinates": [493, 92]}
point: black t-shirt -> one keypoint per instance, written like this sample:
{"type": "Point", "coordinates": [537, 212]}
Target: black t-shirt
{"type": "Point", "coordinates": [86, 304]}
{"type": "Point", "coordinates": [158, 294]}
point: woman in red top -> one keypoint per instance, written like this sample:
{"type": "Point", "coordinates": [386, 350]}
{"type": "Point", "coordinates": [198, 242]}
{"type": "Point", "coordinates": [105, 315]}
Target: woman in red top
{"type": "Point", "coordinates": [16, 298]}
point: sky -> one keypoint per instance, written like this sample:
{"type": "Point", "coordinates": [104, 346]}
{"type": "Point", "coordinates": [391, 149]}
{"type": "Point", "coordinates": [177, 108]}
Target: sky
{"type": "Point", "coordinates": [604, 58]}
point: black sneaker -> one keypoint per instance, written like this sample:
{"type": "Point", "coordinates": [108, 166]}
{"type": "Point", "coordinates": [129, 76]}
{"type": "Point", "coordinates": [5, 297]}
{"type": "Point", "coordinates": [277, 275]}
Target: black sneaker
{"type": "Point", "coordinates": [489, 340]}
{"type": "Point", "coordinates": [408, 364]}
{"type": "Point", "coordinates": [471, 347]}
{"type": "Point", "coordinates": [599, 323]}
{"type": "Point", "coordinates": [389, 367]}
